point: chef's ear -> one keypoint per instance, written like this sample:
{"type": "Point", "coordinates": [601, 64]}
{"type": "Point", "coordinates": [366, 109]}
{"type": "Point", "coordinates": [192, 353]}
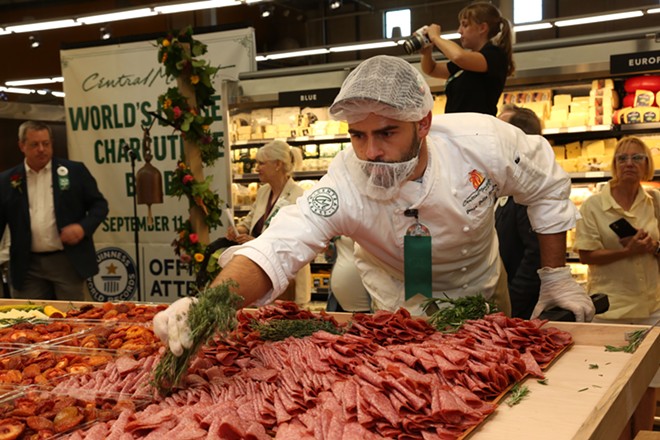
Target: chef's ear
{"type": "Point", "coordinates": [424, 125]}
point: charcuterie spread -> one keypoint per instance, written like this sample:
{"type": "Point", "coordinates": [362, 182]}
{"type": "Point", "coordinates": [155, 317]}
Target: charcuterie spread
{"type": "Point", "coordinates": [387, 375]}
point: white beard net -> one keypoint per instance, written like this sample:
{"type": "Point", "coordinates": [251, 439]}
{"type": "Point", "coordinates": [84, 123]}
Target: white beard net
{"type": "Point", "coordinates": [380, 180]}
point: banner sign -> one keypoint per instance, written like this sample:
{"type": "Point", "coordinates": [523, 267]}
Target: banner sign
{"type": "Point", "coordinates": [635, 62]}
{"type": "Point", "coordinates": [110, 93]}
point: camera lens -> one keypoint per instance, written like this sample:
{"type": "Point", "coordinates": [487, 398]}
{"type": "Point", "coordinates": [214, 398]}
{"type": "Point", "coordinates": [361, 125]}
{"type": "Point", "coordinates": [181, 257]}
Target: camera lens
{"type": "Point", "coordinates": [413, 43]}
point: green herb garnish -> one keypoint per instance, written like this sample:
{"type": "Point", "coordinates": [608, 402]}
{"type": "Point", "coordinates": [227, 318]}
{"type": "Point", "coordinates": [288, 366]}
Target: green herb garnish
{"type": "Point", "coordinates": [593, 366]}
{"type": "Point", "coordinates": [583, 389]}
{"type": "Point", "coordinates": [214, 312]}
{"type": "Point", "coordinates": [634, 339]}
{"type": "Point", "coordinates": [280, 329]}
{"type": "Point", "coordinates": [518, 393]}
{"type": "Point", "coordinates": [543, 381]}
{"type": "Point", "coordinates": [453, 312]}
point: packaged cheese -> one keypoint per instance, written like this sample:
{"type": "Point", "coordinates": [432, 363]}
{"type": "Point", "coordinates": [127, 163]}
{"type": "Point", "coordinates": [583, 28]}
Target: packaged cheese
{"type": "Point", "coordinates": [643, 98]}
{"type": "Point", "coordinates": [602, 84]}
{"type": "Point", "coordinates": [638, 115]}
{"type": "Point", "coordinates": [593, 148]}
{"type": "Point", "coordinates": [560, 152]}
{"type": "Point", "coordinates": [573, 150]}
{"type": "Point", "coordinates": [286, 116]}
{"type": "Point", "coordinates": [561, 100]}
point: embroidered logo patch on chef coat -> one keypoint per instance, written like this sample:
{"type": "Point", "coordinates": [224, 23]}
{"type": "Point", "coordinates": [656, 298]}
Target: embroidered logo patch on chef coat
{"type": "Point", "coordinates": [323, 202]}
{"type": "Point", "coordinates": [483, 194]}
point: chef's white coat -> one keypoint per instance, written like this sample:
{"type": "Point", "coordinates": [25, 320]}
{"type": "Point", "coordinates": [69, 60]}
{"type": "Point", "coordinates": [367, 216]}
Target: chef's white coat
{"type": "Point", "coordinates": [472, 160]}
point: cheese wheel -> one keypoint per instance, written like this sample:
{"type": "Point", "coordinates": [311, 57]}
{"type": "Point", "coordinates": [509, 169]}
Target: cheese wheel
{"type": "Point", "coordinates": [629, 100]}
{"type": "Point", "coordinates": [645, 82]}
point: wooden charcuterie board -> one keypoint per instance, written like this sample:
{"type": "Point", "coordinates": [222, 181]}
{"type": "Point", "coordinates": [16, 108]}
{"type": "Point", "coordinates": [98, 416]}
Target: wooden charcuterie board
{"type": "Point", "coordinates": [580, 400]}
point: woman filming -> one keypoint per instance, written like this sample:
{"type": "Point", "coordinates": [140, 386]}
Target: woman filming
{"type": "Point", "coordinates": [275, 163]}
{"type": "Point", "coordinates": [477, 71]}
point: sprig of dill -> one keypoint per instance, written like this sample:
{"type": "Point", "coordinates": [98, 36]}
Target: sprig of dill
{"type": "Point", "coordinates": [214, 311]}
{"type": "Point", "coordinates": [280, 329]}
{"type": "Point", "coordinates": [518, 393]}
{"type": "Point", "coordinates": [634, 339]}
{"type": "Point", "coordinates": [453, 312]}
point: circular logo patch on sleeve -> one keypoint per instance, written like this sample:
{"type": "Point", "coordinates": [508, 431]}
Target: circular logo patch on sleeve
{"type": "Point", "coordinates": [323, 202]}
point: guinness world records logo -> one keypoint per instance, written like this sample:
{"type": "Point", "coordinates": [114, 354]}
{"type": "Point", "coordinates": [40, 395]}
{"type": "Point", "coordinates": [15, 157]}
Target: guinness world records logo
{"type": "Point", "coordinates": [117, 278]}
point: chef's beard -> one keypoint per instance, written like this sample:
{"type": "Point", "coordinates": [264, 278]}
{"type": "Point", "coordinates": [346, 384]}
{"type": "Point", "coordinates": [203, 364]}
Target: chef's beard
{"type": "Point", "coordinates": [383, 180]}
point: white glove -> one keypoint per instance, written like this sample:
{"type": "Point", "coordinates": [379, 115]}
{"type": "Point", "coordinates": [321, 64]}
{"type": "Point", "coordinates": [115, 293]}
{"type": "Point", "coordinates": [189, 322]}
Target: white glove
{"type": "Point", "coordinates": [171, 325]}
{"type": "Point", "coordinates": [558, 288]}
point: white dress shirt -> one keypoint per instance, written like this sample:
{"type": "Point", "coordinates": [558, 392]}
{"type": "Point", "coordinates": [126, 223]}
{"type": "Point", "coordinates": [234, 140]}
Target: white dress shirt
{"type": "Point", "coordinates": [43, 224]}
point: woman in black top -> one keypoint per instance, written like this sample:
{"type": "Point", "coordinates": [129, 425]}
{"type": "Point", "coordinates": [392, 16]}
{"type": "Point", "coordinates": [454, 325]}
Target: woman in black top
{"type": "Point", "coordinates": [477, 71]}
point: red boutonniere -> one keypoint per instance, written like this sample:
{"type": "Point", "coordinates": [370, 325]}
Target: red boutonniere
{"type": "Point", "coordinates": [16, 181]}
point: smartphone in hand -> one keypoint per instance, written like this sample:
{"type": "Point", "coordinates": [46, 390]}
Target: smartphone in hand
{"type": "Point", "coordinates": [622, 228]}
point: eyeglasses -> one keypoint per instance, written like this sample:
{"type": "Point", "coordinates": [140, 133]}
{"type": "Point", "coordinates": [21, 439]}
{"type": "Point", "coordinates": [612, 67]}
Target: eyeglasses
{"type": "Point", "coordinates": [635, 158]}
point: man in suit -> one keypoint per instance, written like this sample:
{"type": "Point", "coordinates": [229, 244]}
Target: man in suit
{"type": "Point", "coordinates": [52, 207]}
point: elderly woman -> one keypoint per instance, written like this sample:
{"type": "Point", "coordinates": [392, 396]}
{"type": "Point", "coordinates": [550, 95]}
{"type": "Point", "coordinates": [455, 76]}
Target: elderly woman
{"type": "Point", "coordinates": [276, 162]}
{"type": "Point", "coordinates": [626, 269]}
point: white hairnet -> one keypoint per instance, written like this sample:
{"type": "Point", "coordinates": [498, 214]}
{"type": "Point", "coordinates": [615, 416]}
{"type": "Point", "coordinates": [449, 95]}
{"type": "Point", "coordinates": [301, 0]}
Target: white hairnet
{"type": "Point", "coordinates": [385, 85]}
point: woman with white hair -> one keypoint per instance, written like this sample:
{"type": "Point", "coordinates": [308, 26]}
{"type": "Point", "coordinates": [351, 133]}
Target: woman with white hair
{"type": "Point", "coordinates": [276, 162]}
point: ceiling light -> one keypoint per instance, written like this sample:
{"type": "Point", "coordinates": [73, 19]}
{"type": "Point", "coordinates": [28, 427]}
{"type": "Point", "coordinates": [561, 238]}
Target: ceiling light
{"type": "Point", "coordinates": [30, 82]}
{"type": "Point", "coordinates": [42, 26]}
{"type": "Point", "coordinates": [335, 4]}
{"type": "Point", "coordinates": [266, 11]}
{"type": "Point", "coordinates": [364, 46]}
{"type": "Point", "coordinates": [16, 90]}
{"type": "Point", "coordinates": [598, 18]}
{"type": "Point", "coordinates": [106, 32]}
{"type": "Point", "coordinates": [297, 53]}
{"type": "Point", "coordinates": [4, 31]}
{"type": "Point", "coordinates": [653, 11]}
{"type": "Point", "coordinates": [35, 41]}
{"type": "Point", "coordinates": [195, 6]}
{"type": "Point", "coordinates": [116, 16]}
{"type": "Point", "coordinates": [532, 27]}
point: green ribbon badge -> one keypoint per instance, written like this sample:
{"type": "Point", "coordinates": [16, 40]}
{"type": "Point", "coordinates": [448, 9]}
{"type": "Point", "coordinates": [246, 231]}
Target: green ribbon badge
{"type": "Point", "coordinates": [63, 178]}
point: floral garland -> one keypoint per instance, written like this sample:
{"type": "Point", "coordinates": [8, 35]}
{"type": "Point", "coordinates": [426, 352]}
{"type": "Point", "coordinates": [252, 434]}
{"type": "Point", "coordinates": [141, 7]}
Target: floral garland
{"type": "Point", "coordinates": [194, 127]}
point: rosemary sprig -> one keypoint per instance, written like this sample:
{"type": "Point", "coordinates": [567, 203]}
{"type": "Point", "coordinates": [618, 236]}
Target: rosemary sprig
{"type": "Point", "coordinates": [280, 329]}
{"type": "Point", "coordinates": [518, 393]}
{"type": "Point", "coordinates": [634, 339]}
{"type": "Point", "coordinates": [215, 311]}
{"type": "Point", "coordinates": [453, 312]}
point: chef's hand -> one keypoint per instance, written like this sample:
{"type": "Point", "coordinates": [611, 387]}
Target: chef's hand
{"type": "Point", "coordinates": [171, 325]}
{"type": "Point", "coordinates": [559, 289]}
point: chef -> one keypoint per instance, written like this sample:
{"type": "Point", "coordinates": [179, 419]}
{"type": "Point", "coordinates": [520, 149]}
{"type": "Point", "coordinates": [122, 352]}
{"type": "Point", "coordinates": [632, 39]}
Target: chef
{"type": "Point", "coordinates": [417, 196]}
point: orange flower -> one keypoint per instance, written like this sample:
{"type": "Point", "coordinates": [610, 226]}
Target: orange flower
{"type": "Point", "coordinates": [194, 79]}
{"type": "Point", "coordinates": [164, 58]}
{"type": "Point", "coordinates": [166, 42]}
{"type": "Point", "coordinates": [199, 257]}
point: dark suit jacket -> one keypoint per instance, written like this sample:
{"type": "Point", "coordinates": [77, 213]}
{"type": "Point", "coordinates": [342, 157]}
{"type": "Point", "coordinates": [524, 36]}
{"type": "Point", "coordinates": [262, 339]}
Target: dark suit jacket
{"type": "Point", "coordinates": [521, 255]}
{"type": "Point", "coordinates": [80, 203]}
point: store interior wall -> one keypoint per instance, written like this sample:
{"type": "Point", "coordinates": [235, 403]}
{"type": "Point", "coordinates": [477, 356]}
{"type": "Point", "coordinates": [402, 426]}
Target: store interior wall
{"type": "Point", "coordinates": [307, 23]}
{"type": "Point", "coordinates": [294, 24]}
